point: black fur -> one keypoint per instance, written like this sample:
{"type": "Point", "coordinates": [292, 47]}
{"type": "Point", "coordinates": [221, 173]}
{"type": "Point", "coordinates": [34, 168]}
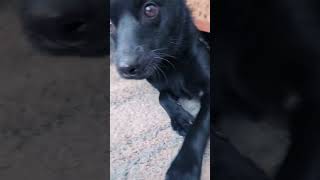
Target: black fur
{"type": "Point", "coordinates": [265, 50]}
{"type": "Point", "coordinates": [166, 51]}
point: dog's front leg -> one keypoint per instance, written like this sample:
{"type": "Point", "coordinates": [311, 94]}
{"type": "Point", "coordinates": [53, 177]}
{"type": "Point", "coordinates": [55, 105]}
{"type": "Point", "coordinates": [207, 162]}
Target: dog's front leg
{"type": "Point", "coordinates": [187, 164]}
{"type": "Point", "coordinates": [181, 120]}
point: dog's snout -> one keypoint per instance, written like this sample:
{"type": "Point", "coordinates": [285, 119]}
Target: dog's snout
{"type": "Point", "coordinates": [128, 70]}
{"type": "Point", "coordinates": [139, 49]}
{"type": "Point", "coordinates": [130, 60]}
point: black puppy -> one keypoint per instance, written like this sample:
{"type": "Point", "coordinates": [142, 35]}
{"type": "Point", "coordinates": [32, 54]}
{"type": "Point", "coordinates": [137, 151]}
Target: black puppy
{"type": "Point", "coordinates": [157, 40]}
{"type": "Point", "coordinates": [72, 27]}
{"type": "Point", "coordinates": [264, 52]}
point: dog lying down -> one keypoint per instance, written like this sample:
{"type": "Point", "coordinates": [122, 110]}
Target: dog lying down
{"type": "Point", "coordinates": [158, 41]}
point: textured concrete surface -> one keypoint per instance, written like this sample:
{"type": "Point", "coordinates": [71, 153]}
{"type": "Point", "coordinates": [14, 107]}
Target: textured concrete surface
{"type": "Point", "coordinates": [52, 111]}
{"type": "Point", "coordinates": [142, 142]}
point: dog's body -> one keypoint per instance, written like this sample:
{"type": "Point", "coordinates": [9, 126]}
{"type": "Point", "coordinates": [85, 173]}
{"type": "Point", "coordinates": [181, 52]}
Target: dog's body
{"type": "Point", "coordinates": [265, 52]}
{"type": "Point", "coordinates": [157, 41]}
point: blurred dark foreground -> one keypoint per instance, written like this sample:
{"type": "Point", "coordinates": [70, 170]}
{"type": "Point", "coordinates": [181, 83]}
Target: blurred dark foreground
{"type": "Point", "coordinates": [52, 110]}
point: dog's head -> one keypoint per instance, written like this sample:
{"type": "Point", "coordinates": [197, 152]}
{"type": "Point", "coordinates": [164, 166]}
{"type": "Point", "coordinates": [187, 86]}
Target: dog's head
{"type": "Point", "coordinates": [147, 34]}
{"type": "Point", "coordinates": [66, 27]}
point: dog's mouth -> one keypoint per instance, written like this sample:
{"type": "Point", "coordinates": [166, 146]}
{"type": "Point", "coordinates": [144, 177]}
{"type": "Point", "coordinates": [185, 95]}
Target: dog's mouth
{"type": "Point", "coordinates": [141, 72]}
{"type": "Point", "coordinates": [145, 66]}
{"type": "Point", "coordinates": [136, 76]}
{"type": "Point", "coordinates": [148, 66]}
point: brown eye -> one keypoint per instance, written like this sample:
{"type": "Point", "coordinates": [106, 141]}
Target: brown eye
{"type": "Point", "coordinates": [151, 10]}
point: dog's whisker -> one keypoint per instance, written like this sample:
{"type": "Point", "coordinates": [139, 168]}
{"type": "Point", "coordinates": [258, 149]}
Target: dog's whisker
{"type": "Point", "coordinates": [158, 74]}
{"type": "Point", "coordinates": [156, 71]}
{"type": "Point", "coordinates": [165, 54]}
{"type": "Point", "coordinates": [156, 51]}
{"type": "Point", "coordinates": [158, 56]}
{"type": "Point", "coordinates": [174, 43]}
{"type": "Point", "coordinates": [159, 49]}
{"type": "Point", "coordinates": [166, 60]}
{"type": "Point", "coordinates": [163, 74]}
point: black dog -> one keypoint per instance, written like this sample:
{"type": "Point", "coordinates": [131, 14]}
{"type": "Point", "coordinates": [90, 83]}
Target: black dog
{"type": "Point", "coordinates": [157, 41]}
{"type": "Point", "coordinates": [73, 27]}
{"type": "Point", "coordinates": [263, 52]}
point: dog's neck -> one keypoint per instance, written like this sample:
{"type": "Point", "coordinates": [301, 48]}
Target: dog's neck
{"type": "Point", "coordinates": [186, 52]}
{"type": "Point", "coordinates": [188, 35]}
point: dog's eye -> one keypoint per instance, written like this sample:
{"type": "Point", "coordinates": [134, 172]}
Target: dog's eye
{"type": "Point", "coordinates": [112, 28]}
{"type": "Point", "coordinates": [151, 10]}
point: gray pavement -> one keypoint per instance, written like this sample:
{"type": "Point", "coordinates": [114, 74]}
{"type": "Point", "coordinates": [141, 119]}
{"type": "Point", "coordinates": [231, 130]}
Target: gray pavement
{"type": "Point", "coordinates": [142, 142]}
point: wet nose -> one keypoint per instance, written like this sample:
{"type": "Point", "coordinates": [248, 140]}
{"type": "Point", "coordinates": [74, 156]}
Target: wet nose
{"type": "Point", "coordinates": [128, 70]}
{"type": "Point", "coordinates": [131, 64]}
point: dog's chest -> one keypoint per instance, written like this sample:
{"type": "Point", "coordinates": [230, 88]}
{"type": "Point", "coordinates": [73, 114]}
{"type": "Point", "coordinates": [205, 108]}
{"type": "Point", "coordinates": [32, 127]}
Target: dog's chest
{"type": "Point", "coordinates": [189, 98]}
{"type": "Point", "coordinates": [191, 105]}
{"type": "Point", "coordinates": [187, 93]}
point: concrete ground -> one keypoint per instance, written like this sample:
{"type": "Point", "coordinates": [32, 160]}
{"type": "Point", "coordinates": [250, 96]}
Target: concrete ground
{"type": "Point", "coordinates": [52, 111]}
{"type": "Point", "coordinates": [142, 142]}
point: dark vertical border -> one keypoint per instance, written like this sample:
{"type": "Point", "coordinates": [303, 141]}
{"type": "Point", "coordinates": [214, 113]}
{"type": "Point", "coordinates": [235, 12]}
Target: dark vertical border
{"type": "Point", "coordinates": [107, 154]}
{"type": "Point", "coordinates": [213, 18]}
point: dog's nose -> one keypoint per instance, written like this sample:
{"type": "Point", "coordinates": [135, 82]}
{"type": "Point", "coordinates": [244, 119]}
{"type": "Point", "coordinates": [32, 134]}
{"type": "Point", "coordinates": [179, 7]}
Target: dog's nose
{"type": "Point", "coordinates": [128, 70]}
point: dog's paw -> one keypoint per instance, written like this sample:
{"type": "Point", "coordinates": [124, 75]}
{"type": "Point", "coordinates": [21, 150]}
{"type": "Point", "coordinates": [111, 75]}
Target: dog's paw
{"type": "Point", "coordinates": [183, 173]}
{"type": "Point", "coordinates": [182, 123]}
